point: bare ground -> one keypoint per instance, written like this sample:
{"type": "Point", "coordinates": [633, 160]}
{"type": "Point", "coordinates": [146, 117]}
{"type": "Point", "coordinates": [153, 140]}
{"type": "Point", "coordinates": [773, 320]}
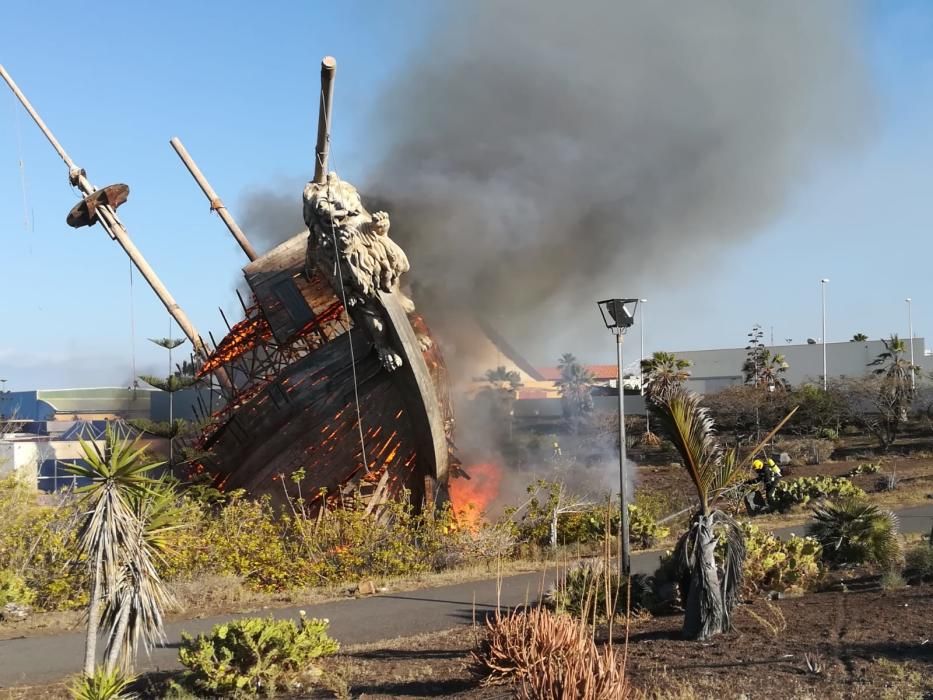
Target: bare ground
{"type": "Point", "coordinates": [869, 644]}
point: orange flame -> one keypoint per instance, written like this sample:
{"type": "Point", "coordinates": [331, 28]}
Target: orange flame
{"type": "Point", "coordinates": [471, 497]}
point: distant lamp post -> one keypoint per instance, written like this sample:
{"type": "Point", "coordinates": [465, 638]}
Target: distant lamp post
{"type": "Point", "coordinates": [619, 315]}
{"type": "Point", "coordinates": [823, 283]}
{"type": "Point", "coordinates": [910, 331]}
{"type": "Point", "coordinates": [641, 364]}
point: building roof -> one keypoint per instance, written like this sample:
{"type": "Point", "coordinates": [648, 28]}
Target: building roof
{"type": "Point", "coordinates": [600, 372]}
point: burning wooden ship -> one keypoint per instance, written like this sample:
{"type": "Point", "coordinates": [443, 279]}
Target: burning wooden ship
{"type": "Point", "coordinates": [332, 378]}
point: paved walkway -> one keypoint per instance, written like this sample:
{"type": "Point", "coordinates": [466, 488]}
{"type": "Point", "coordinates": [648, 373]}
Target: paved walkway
{"type": "Point", "coordinates": [35, 660]}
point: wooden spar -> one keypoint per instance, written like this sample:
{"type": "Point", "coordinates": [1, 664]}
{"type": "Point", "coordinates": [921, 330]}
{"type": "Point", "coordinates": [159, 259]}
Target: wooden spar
{"type": "Point", "coordinates": [326, 96]}
{"type": "Point", "coordinates": [216, 203]}
{"type": "Point", "coordinates": [114, 227]}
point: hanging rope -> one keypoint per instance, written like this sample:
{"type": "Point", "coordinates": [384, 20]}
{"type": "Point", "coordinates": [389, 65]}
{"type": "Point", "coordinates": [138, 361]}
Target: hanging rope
{"type": "Point", "coordinates": [22, 168]}
{"type": "Point", "coordinates": [343, 296]}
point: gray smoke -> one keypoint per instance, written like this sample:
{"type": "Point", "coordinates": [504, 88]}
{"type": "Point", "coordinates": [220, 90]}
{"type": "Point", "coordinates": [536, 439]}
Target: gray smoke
{"type": "Point", "coordinates": [270, 215]}
{"type": "Point", "coordinates": [532, 147]}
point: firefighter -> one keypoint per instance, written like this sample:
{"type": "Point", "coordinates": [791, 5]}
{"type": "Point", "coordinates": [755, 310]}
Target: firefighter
{"type": "Point", "coordinates": [767, 473]}
{"type": "Point", "coordinates": [557, 452]}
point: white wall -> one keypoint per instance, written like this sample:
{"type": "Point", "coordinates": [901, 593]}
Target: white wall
{"type": "Point", "coordinates": [713, 370]}
{"type": "Point", "coordinates": [20, 457]}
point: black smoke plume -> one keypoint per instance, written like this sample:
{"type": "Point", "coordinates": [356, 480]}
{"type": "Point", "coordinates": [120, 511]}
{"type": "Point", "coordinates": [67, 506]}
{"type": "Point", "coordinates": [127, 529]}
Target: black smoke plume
{"type": "Point", "coordinates": [536, 152]}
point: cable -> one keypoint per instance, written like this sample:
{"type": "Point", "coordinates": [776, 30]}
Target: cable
{"type": "Point", "coordinates": [343, 296]}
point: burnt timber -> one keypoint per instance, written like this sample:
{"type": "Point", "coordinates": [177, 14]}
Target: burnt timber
{"type": "Point", "coordinates": [295, 405]}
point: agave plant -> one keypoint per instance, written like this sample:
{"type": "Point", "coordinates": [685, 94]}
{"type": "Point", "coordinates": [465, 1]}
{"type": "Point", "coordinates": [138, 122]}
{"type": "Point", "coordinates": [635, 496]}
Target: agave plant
{"type": "Point", "coordinates": [103, 685]}
{"type": "Point", "coordinates": [713, 588]}
{"type": "Point", "coordinates": [110, 534]}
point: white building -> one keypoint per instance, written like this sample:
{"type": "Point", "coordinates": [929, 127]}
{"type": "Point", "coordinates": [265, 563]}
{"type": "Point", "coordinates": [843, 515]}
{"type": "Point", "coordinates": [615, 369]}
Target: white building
{"type": "Point", "coordinates": [713, 370]}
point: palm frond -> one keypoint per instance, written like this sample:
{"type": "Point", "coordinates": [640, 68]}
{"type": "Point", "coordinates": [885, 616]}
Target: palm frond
{"type": "Point", "coordinates": [744, 464]}
{"type": "Point", "coordinates": [688, 425]}
{"type": "Point", "coordinates": [733, 560]}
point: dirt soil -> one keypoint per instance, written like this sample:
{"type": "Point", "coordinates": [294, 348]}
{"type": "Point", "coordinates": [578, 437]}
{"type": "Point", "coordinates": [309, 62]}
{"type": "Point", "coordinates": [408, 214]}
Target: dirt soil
{"type": "Point", "coordinates": [869, 644]}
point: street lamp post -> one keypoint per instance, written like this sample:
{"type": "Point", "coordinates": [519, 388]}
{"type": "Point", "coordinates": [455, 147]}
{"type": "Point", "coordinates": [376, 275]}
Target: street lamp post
{"type": "Point", "coordinates": [619, 315]}
{"type": "Point", "coordinates": [823, 283]}
{"type": "Point", "coordinates": [910, 331]}
{"type": "Point", "coordinates": [641, 365]}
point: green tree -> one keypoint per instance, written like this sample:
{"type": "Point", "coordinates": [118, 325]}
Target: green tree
{"type": "Point", "coordinates": [111, 534]}
{"type": "Point", "coordinates": [762, 368]}
{"type": "Point", "coordinates": [182, 378]}
{"type": "Point", "coordinates": [576, 386]}
{"type": "Point", "coordinates": [711, 597]}
{"type": "Point", "coordinates": [663, 372]}
{"type": "Point", "coordinates": [858, 338]}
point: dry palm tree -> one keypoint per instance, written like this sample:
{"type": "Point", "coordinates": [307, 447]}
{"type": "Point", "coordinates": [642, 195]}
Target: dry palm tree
{"type": "Point", "coordinates": [109, 535]}
{"type": "Point", "coordinates": [713, 585]}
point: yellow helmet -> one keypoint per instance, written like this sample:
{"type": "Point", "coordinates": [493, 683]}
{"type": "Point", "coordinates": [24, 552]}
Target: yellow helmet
{"type": "Point", "coordinates": [758, 464]}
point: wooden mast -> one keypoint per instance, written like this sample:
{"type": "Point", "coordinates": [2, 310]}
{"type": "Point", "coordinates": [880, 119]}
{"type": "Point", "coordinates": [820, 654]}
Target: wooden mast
{"type": "Point", "coordinates": [216, 203]}
{"type": "Point", "coordinates": [106, 213]}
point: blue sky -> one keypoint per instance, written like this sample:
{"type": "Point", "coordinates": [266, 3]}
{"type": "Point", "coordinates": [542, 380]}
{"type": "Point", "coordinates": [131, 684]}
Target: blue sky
{"type": "Point", "coordinates": [237, 83]}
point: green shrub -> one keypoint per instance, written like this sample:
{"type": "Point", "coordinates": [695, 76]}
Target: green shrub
{"type": "Point", "coordinates": [582, 592]}
{"type": "Point", "coordinates": [854, 531]}
{"type": "Point", "coordinates": [866, 468]}
{"type": "Point", "coordinates": [918, 562]}
{"type": "Point", "coordinates": [103, 685]}
{"type": "Point", "coordinates": [800, 491]}
{"type": "Point", "coordinates": [772, 564]}
{"type": "Point", "coordinates": [588, 525]}
{"type": "Point", "coordinates": [38, 542]}
{"type": "Point", "coordinates": [13, 589]}
{"type": "Point", "coordinates": [644, 530]}
{"type": "Point", "coordinates": [254, 656]}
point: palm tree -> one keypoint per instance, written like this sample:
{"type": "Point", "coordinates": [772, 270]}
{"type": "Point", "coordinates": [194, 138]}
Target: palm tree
{"type": "Point", "coordinates": [109, 536]}
{"type": "Point", "coordinates": [504, 380]}
{"type": "Point", "coordinates": [771, 369]}
{"type": "Point", "coordinates": [710, 597]}
{"type": "Point", "coordinates": [664, 371]}
{"type": "Point", "coordinates": [896, 389]}
{"type": "Point", "coordinates": [576, 386]}
{"type": "Point", "coordinates": [893, 364]}
{"type": "Point", "coordinates": [858, 338]}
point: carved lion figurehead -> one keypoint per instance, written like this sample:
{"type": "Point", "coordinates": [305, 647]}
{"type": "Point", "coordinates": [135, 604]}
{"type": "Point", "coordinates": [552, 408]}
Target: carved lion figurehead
{"type": "Point", "coordinates": [329, 202]}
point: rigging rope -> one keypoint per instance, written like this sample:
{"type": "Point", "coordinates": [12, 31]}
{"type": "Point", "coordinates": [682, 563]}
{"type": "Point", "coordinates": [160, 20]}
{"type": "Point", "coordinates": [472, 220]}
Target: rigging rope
{"type": "Point", "coordinates": [343, 295]}
{"type": "Point", "coordinates": [22, 170]}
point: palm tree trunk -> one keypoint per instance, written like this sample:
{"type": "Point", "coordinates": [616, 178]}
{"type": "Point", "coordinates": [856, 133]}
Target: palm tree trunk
{"type": "Point", "coordinates": [705, 612]}
{"type": "Point", "coordinates": [93, 617]}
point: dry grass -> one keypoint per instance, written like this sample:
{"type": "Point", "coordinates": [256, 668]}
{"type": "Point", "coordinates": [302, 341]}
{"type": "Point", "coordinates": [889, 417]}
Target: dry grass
{"type": "Point", "coordinates": [772, 620]}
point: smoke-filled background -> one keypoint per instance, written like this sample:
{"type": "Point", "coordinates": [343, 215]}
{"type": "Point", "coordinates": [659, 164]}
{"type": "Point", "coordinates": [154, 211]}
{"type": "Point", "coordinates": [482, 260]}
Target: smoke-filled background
{"type": "Point", "coordinates": [531, 148]}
